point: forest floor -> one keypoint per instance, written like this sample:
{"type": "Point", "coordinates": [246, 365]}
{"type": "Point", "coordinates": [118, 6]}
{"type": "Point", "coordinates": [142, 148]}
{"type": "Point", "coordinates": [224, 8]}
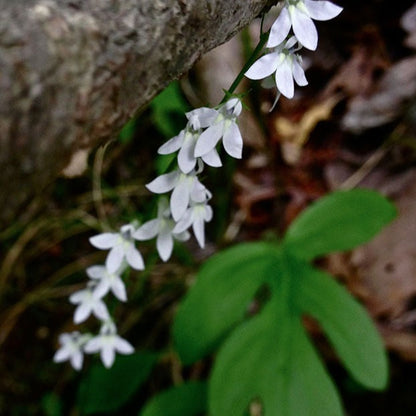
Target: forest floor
{"type": "Point", "coordinates": [354, 125]}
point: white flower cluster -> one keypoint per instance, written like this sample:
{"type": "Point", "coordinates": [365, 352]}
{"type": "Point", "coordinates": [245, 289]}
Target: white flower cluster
{"type": "Point", "coordinates": [196, 145]}
{"type": "Point", "coordinates": [188, 207]}
{"type": "Point", "coordinates": [89, 301]}
{"type": "Point", "coordinates": [283, 60]}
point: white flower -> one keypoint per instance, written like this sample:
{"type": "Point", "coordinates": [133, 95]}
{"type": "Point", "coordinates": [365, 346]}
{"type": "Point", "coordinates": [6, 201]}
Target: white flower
{"type": "Point", "coordinates": [71, 349]}
{"type": "Point", "coordinates": [223, 127]}
{"type": "Point", "coordinates": [299, 14]}
{"type": "Point", "coordinates": [186, 188]}
{"type": "Point", "coordinates": [122, 247]}
{"type": "Point", "coordinates": [287, 67]}
{"type": "Point", "coordinates": [107, 281]}
{"type": "Point", "coordinates": [185, 142]}
{"type": "Point", "coordinates": [88, 302]}
{"type": "Point", "coordinates": [162, 227]}
{"type": "Point", "coordinates": [196, 215]}
{"type": "Point", "coordinates": [108, 343]}
{"type": "Point", "coordinates": [201, 118]}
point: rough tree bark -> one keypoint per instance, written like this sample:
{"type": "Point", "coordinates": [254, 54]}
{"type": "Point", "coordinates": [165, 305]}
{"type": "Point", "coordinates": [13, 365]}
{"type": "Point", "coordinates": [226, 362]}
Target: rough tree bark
{"type": "Point", "coordinates": [72, 72]}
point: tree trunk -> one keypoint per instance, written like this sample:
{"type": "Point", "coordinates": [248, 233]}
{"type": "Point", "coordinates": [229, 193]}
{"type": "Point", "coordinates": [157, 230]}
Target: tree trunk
{"type": "Point", "coordinates": [72, 72]}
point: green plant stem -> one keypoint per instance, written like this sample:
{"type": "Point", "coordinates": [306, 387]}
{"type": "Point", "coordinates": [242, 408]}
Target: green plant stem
{"type": "Point", "coordinates": [247, 65]}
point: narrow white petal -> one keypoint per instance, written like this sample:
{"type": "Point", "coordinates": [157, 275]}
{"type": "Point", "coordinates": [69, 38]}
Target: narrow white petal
{"type": "Point", "coordinates": [233, 142]}
{"type": "Point", "coordinates": [67, 338]}
{"type": "Point", "coordinates": [104, 241]}
{"type": "Point", "coordinates": [284, 79]}
{"type": "Point", "coordinates": [119, 289]}
{"type": "Point", "coordinates": [101, 289]}
{"type": "Point", "coordinates": [163, 183]}
{"type": "Point", "coordinates": [199, 231]}
{"type": "Point", "coordinates": [134, 258]}
{"type": "Point", "coordinates": [304, 29]}
{"type": "Point", "coordinates": [62, 354]}
{"type": "Point", "coordinates": [264, 66]}
{"type": "Point", "coordinates": [322, 10]}
{"type": "Point", "coordinates": [184, 223]}
{"type": "Point", "coordinates": [238, 108]}
{"type": "Point", "coordinates": [299, 74]}
{"type": "Point", "coordinates": [212, 158]}
{"type": "Point", "coordinates": [208, 214]}
{"type": "Point", "coordinates": [93, 345]}
{"type": "Point", "coordinates": [82, 312]}
{"type": "Point", "coordinates": [96, 272]}
{"type": "Point", "coordinates": [127, 229]}
{"type": "Point", "coordinates": [164, 245]}
{"type": "Point", "coordinates": [147, 231]}
{"type": "Point", "coordinates": [202, 117]}
{"type": "Point", "coordinates": [100, 311]}
{"type": "Point", "coordinates": [172, 145]}
{"type": "Point", "coordinates": [230, 104]}
{"type": "Point", "coordinates": [115, 258]}
{"type": "Point", "coordinates": [198, 192]}
{"type": "Point", "coordinates": [76, 360]}
{"type": "Point", "coordinates": [179, 200]}
{"type": "Point", "coordinates": [290, 43]}
{"type": "Point", "coordinates": [107, 355]}
{"type": "Point", "coordinates": [122, 346]}
{"type": "Point", "coordinates": [186, 158]}
{"type": "Point", "coordinates": [280, 29]}
{"type": "Point", "coordinates": [209, 139]}
{"type": "Point", "coordinates": [78, 297]}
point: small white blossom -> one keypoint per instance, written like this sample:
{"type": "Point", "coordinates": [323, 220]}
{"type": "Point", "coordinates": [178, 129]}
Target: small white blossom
{"type": "Point", "coordinates": [286, 65]}
{"type": "Point", "coordinates": [71, 349]}
{"type": "Point", "coordinates": [107, 281]}
{"type": "Point", "coordinates": [299, 14]}
{"type": "Point", "coordinates": [122, 247]}
{"type": "Point", "coordinates": [162, 227]}
{"type": "Point", "coordinates": [185, 142]}
{"type": "Point", "coordinates": [223, 127]}
{"type": "Point", "coordinates": [186, 188]}
{"type": "Point", "coordinates": [196, 215]}
{"type": "Point", "coordinates": [200, 118]}
{"type": "Point", "coordinates": [88, 302]}
{"type": "Point", "coordinates": [107, 343]}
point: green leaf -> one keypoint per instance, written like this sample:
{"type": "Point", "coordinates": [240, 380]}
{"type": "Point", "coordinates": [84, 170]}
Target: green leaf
{"type": "Point", "coordinates": [347, 325]}
{"type": "Point", "coordinates": [339, 221]}
{"type": "Point", "coordinates": [51, 405]}
{"type": "Point", "coordinates": [224, 288]}
{"type": "Point", "coordinates": [168, 110]}
{"type": "Point", "coordinates": [188, 399]}
{"type": "Point", "coordinates": [105, 390]}
{"type": "Point", "coordinates": [271, 359]}
{"type": "Point", "coordinates": [127, 133]}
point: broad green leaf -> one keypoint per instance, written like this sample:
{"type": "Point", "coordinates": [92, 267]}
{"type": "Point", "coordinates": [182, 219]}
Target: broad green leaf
{"type": "Point", "coordinates": [271, 359]}
{"type": "Point", "coordinates": [339, 221]}
{"type": "Point", "coordinates": [219, 299]}
{"type": "Point", "coordinates": [105, 390]}
{"type": "Point", "coordinates": [189, 399]}
{"type": "Point", "coordinates": [347, 325]}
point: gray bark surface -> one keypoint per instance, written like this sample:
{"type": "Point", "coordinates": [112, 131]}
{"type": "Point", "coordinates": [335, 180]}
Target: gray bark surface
{"type": "Point", "coordinates": [72, 72]}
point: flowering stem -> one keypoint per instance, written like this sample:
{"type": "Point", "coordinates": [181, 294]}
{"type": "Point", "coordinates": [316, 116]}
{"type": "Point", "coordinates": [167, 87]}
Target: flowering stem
{"type": "Point", "coordinates": [250, 61]}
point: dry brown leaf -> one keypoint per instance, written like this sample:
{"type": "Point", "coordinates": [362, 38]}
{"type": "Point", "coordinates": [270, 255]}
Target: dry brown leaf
{"type": "Point", "coordinates": [294, 135]}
